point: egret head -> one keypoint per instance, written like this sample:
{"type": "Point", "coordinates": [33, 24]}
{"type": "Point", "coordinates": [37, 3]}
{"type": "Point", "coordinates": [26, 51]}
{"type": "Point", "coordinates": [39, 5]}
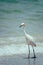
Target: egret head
{"type": "Point", "coordinates": [22, 25]}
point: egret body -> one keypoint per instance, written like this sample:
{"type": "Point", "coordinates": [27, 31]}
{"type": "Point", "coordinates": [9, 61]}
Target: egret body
{"type": "Point", "coordinates": [29, 40]}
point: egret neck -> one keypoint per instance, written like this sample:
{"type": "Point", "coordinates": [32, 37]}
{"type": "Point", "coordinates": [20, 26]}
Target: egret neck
{"type": "Point", "coordinates": [24, 30]}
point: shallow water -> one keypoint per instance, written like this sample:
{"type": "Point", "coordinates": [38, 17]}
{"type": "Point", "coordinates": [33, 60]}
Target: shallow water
{"type": "Point", "coordinates": [12, 14]}
{"type": "Point", "coordinates": [21, 59]}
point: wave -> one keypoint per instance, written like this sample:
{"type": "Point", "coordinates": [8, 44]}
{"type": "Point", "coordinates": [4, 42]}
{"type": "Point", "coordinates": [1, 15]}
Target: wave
{"type": "Point", "coordinates": [11, 45]}
{"type": "Point", "coordinates": [11, 40]}
{"type": "Point", "coordinates": [16, 1]}
{"type": "Point", "coordinates": [18, 49]}
{"type": "Point", "coordinates": [10, 11]}
{"type": "Point", "coordinates": [10, 1]}
{"type": "Point", "coordinates": [18, 40]}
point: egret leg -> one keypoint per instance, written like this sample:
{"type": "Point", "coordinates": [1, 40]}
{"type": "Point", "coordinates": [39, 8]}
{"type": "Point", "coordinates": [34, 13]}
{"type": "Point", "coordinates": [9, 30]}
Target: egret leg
{"type": "Point", "coordinates": [29, 51]}
{"type": "Point", "coordinates": [34, 53]}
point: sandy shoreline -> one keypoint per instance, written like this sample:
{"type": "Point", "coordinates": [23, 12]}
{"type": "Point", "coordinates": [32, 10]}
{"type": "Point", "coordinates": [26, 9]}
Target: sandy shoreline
{"type": "Point", "coordinates": [21, 59]}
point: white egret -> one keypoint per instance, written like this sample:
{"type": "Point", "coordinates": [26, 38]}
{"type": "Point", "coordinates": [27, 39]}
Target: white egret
{"type": "Point", "coordinates": [29, 40]}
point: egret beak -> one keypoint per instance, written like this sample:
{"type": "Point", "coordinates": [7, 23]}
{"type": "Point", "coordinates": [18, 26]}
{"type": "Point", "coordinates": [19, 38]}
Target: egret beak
{"type": "Point", "coordinates": [20, 26]}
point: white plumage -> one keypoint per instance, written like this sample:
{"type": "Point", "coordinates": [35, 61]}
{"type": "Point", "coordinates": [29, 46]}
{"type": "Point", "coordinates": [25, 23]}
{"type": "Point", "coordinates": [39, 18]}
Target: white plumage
{"type": "Point", "coordinates": [29, 40]}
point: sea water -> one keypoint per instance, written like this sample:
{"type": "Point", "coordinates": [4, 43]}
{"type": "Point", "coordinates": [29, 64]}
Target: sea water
{"type": "Point", "coordinates": [12, 14]}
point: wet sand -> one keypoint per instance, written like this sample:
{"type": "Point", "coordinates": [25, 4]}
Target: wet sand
{"type": "Point", "coordinates": [21, 59]}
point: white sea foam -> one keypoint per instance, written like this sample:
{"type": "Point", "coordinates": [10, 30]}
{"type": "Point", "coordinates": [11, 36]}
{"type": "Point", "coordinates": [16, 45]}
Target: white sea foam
{"type": "Point", "coordinates": [17, 45]}
{"type": "Point", "coordinates": [18, 49]}
{"type": "Point", "coordinates": [17, 40]}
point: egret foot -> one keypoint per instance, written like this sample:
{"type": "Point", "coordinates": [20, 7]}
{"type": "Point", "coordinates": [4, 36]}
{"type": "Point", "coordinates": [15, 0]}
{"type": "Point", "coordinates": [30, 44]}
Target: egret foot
{"type": "Point", "coordinates": [34, 57]}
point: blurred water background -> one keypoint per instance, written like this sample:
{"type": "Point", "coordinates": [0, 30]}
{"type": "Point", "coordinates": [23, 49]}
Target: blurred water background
{"type": "Point", "coordinates": [12, 14]}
